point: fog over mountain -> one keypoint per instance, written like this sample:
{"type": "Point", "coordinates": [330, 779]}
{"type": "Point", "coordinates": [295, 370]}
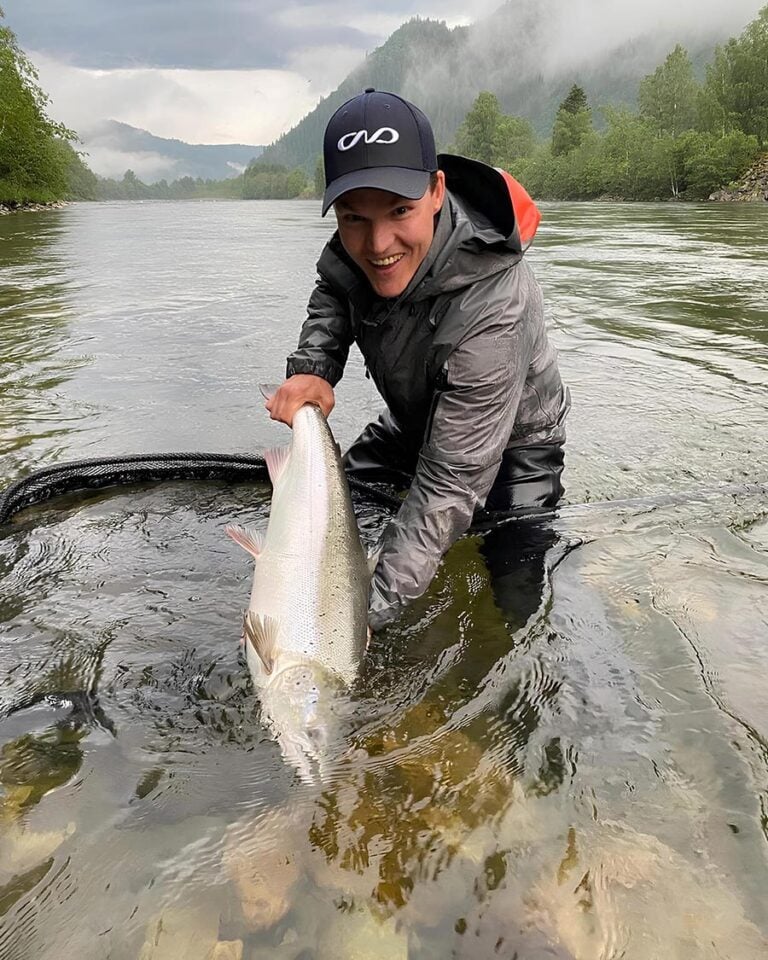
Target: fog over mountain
{"type": "Point", "coordinates": [113, 147]}
{"type": "Point", "coordinates": [226, 71]}
{"type": "Point", "coordinates": [529, 55]}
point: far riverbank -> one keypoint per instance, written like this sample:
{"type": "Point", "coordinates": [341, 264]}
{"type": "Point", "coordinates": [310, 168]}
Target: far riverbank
{"type": "Point", "coordinates": [9, 207]}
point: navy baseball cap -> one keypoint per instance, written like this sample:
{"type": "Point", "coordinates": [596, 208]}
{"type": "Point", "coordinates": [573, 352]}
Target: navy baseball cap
{"type": "Point", "coordinates": [381, 141]}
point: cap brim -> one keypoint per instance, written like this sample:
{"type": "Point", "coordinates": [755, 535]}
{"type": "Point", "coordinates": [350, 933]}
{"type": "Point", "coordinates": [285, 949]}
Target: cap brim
{"type": "Point", "coordinates": [400, 180]}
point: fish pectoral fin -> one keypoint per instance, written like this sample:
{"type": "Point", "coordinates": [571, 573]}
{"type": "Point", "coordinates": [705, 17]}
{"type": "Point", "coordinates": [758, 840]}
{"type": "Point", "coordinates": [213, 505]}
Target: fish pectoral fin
{"type": "Point", "coordinates": [250, 540]}
{"type": "Point", "coordinates": [277, 458]}
{"type": "Point", "coordinates": [262, 632]}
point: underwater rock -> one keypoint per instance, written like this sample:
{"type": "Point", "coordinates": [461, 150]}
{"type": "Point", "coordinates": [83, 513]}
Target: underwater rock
{"type": "Point", "coordinates": [228, 950]}
{"type": "Point", "coordinates": [362, 936]}
{"type": "Point", "coordinates": [630, 895]}
{"type": "Point", "coordinates": [264, 883]}
{"type": "Point", "coordinates": [182, 933]}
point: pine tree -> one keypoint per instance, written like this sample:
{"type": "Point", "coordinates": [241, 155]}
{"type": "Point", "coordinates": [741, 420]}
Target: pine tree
{"type": "Point", "coordinates": [573, 122]}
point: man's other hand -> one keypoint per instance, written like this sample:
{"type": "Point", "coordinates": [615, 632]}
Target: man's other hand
{"type": "Point", "coordinates": [297, 390]}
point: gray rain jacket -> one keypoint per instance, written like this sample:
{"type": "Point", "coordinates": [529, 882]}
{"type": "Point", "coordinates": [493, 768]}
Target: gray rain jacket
{"type": "Point", "coordinates": [461, 359]}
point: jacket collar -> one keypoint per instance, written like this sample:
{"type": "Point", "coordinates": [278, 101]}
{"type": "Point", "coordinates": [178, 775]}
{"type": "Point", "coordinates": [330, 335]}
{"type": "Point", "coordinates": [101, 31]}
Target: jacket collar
{"type": "Point", "coordinates": [484, 226]}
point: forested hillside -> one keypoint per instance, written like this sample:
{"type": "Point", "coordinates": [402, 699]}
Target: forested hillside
{"type": "Point", "coordinates": [684, 140]}
{"type": "Point", "coordinates": [418, 41]}
{"type": "Point", "coordinates": [637, 120]}
{"type": "Point", "coordinates": [508, 54]}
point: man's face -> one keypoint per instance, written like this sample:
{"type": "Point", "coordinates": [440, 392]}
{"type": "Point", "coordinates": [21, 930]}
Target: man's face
{"type": "Point", "coordinates": [386, 235]}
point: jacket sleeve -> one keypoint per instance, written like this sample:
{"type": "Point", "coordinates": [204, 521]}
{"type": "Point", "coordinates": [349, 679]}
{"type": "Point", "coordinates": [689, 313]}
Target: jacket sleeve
{"type": "Point", "coordinates": [473, 420]}
{"type": "Point", "coordinates": [325, 337]}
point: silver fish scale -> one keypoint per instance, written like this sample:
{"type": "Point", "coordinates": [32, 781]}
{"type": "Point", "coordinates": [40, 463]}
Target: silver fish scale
{"type": "Point", "coordinates": [312, 575]}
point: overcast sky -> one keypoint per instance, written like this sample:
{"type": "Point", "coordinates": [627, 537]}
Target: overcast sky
{"type": "Point", "coordinates": [206, 71]}
{"type": "Point", "coordinates": [227, 71]}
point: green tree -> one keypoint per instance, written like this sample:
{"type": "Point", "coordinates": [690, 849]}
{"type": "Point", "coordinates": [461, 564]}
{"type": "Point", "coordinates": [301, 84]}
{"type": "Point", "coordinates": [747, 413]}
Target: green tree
{"type": "Point", "coordinates": [319, 179]}
{"type": "Point", "coordinates": [668, 97]}
{"type": "Point", "coordinates": [711, 161]}
{"type": "Point", "coordinates": [296, 183]}
{"type": "Point", "coordinates": [32, 164]}
{"type": "Point", "coordinates": [714, 100]}
{"type": "Point", "coordinates": [631, 158]}
{"type": "Point", "coordinates": [82, 183]}
{"type": "Point", "coordinates": [668, 100]}
{"type": "Point", "coordinates": [736, 89]}
{"type": "Point", "coordinates": [133, 188]}
{"type": "Point", "coordinates": [476, 136]}
{"type": "Point", "coordinates": [272, 181]}
{"type": "Point", "coordinates": [573, 122]}
{"type": "Point", "coordinates": [576, 101]}
{"type": "Point", "coordinates": [514, 138]}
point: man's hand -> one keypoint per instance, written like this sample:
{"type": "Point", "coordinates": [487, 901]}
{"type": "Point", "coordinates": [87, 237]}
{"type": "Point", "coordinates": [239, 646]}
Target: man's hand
{"type": "Point", "coordinates": [297, 390]}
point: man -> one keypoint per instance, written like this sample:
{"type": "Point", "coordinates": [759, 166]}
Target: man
{"type": "Point", "coordinates": [425, 273]}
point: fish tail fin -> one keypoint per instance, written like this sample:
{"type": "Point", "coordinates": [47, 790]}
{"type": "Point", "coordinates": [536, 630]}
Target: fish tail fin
{"type": "Point", "coordinates": [268, 390]}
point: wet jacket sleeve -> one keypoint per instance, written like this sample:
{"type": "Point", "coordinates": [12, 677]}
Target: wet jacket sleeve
{"type": "Point", "coordinates": [473, 420]}
{"type": "Point", "coordinates": [325, 336]}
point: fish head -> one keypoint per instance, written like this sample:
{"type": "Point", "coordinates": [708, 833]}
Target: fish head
{"type": "Point", "coordinates": [304, 707]}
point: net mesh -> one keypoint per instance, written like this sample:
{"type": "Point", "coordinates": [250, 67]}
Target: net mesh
{"type": "Point", "coordinates": [101, 472]}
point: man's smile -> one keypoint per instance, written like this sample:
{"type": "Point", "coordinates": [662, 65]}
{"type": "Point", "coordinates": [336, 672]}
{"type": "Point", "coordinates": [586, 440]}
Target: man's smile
{"type": "Point", "coordinates": [387, 261]}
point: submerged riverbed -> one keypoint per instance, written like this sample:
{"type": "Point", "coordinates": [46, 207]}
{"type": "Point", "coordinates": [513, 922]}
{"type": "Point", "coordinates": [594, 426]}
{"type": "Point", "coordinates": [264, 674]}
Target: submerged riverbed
{"type": "Point", "coordinates": [583, 774]}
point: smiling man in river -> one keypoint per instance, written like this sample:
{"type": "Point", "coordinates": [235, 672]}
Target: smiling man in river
{"type": "Point", "coordinates": [426, 274]}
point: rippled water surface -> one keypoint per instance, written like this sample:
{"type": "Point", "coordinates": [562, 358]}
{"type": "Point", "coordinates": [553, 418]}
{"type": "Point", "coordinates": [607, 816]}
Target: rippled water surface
{"type": "Point", "coordinates": [569, 762]}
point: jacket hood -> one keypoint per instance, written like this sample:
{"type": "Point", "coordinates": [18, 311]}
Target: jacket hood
{"type": "Point", "coordinates": [499, 207]}
{"type": "Point", "coordinates": [486, 223]}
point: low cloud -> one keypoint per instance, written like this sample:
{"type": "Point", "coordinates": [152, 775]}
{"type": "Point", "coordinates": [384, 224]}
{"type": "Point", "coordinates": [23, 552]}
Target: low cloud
{"type": "Point", "coordinates": [198, 106]}
{"type": "Point", "coordinates": [148, 167]}
{"type": "Point", "coordinates": [228, 71]}
{"type": "Point", "coordinates": [579, 30]}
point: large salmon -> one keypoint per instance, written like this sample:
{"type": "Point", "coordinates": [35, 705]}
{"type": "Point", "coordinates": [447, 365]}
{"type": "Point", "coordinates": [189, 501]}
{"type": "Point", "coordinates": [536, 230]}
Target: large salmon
{"type": "Point", "coordinates": [307, 622]}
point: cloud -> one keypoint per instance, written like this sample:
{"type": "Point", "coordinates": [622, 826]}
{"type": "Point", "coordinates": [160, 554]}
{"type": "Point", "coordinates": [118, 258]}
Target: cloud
{"type": "Point", "coordinates": [212, 71]}
{"type": "Point", "coordinates": [198, 106]}
{"type": "Point", "coordinates": [324, 67]}
{"type": "Point", "coordinates": [148, 167]}
{"type": "Point", "coordinates": [198, 34]}
{"type": "Point", "coordinates": [578, 30]}
{"type": "Point", "coordinates": [213, 34]}
{"type": "Point", "coordinates": [225, 71]}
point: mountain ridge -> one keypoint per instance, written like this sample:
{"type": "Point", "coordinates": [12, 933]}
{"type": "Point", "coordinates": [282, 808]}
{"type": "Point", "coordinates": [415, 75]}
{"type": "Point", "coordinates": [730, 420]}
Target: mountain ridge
{"type": "Point", "coordinates": [512, 53]}
{"type": "Point", "coordinates": [112, 147]}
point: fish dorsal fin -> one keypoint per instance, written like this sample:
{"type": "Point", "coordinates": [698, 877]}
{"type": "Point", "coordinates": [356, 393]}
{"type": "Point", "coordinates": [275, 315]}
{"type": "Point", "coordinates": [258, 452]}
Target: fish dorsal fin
{"type": "Point", "coordinates": [261, 632]}
{"type": "Point", "coordinates": [250, 540]}
{"type": "Point", "coordinates": [277, 458]}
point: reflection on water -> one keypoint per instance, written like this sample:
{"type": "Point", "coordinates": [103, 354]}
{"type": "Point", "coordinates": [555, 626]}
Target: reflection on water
{"type": "Point", "coordinates": [560, 752]}
{"type": "Point", "coordinates": [34, 320]}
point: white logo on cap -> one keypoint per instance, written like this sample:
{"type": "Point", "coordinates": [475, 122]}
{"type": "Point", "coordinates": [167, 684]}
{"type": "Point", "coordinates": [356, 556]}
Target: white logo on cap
{"type": "Point", "coordinates": [382, 135]}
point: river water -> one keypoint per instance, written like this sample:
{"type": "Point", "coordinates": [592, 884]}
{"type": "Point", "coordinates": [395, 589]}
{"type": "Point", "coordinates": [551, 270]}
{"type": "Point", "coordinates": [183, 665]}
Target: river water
{"type": "Point", "coordinates": [584, 776]}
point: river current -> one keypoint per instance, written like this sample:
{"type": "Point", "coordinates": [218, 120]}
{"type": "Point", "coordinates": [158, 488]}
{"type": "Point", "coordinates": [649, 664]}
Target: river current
{"type": "Point", "coordinates": [583, 777]}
